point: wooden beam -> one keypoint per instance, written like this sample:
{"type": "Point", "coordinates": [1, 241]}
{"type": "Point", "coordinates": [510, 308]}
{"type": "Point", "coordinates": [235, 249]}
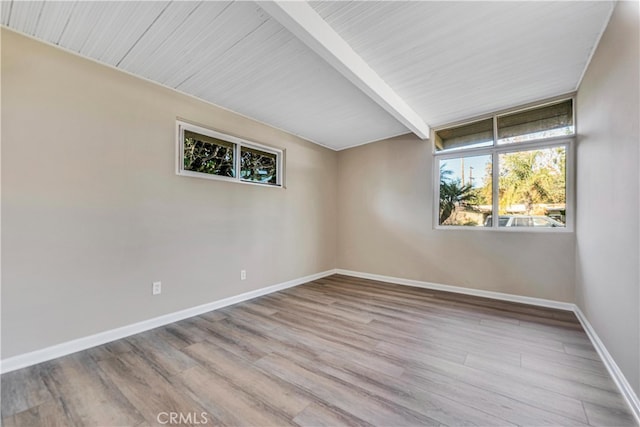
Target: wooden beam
{"type": "Point", "coordinates": [305, 23]}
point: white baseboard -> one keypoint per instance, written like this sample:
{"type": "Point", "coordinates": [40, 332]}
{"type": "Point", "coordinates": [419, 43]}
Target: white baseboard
{"type": "Point", "coordinates": [63, 349]}
{"type": "Point", "coordinates": [615, 372]}
{"type": "Point", "coordinates": [460, 290]}
{"type": "Point", "coordinates": [618, 377]}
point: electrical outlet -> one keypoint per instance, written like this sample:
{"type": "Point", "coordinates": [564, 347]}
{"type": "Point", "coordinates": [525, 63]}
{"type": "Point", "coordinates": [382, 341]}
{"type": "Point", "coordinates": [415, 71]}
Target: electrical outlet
{"type": "Point", "coordinates": [243, 274]}
{"type": "Point", "coordinates": [157, 288]}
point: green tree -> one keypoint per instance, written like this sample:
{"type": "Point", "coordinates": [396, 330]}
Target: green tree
{"type": "Point", "coordinates": [532, 177]}
{"type": "Point", "coordinates": [485, 192]}
{"type": "Point", "coordinates": [258, 166]}
{"type": "Point", "coordinates": [453, 193]}
{"type": "Point", "coordinates": [206, 157]}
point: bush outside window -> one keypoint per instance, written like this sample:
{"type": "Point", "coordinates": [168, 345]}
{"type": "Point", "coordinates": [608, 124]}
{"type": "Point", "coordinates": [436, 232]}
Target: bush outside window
{"type": "Point", "coordinates": [204, 153]}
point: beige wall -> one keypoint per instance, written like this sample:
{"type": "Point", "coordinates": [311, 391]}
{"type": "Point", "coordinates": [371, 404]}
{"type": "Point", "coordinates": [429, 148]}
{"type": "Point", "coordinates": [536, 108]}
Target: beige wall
{"type": "Point", "coordinates": [608, 210]}
{"type": "Point", "coordinates": [93, 212]}
{"type": "Point", "coordinates": [385, 224]}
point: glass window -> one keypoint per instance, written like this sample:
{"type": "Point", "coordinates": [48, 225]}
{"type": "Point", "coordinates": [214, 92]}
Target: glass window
{"type": "Point", "coordinates": [536, 123]}
{"type": "Point", "coordinates": [532, 185]}
{"type": "Point", "coordinates": [465, 190]}
{"type": "Point", "coordinates": [205, 153]}
{"type": "Point", "coordinates": [529, 189]}
{"type": "Point", "coordinates": [209, 155]}
{"type": "Point", "coordinates": [472, 135]}
{"type": "Point", "coordinates": [258, 166]}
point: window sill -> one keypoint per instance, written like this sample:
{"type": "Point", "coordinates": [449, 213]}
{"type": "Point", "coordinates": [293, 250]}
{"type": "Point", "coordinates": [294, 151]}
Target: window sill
{"type": "Point", "coordinates": [544, 230]}
{"type": "Point", "coordinates": [226, 179]}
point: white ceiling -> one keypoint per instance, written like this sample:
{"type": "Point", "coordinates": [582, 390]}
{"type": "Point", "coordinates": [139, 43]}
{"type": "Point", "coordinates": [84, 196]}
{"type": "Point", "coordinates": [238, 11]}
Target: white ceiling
{"type": "Point", "coordinates": [435, 62]}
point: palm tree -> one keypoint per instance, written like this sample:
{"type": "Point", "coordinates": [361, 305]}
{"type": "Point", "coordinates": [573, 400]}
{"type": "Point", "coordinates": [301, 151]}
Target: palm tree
{"type": "Point", "coordinates": [452, 194]}
{"type": "Point", "coordinates": [523, 180]}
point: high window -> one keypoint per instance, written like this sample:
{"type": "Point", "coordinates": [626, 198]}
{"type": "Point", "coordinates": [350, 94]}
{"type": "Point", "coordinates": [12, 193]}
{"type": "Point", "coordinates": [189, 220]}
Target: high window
{"type": "Point", "coordinates": [204, 153]}
{"type": "Point", "coordinates": [515, 165]}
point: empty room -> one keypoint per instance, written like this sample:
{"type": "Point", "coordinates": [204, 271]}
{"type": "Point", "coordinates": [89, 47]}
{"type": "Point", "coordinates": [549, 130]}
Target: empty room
{"type": "Point", "coordinates": [320, 213]}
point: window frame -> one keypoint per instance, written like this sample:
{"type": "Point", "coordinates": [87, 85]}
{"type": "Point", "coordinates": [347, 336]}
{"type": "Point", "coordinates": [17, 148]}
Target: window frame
{"type": "Point", "coordinates": [238, 143]}
{"type": "Point", "coordinates": [495, 150]}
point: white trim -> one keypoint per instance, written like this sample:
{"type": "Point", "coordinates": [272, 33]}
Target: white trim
{"type": "Point", "coordinates": [568, 142]}
{"type": "Point", "coordinates": [69, 347]}
{"type": "Point", "coordinates": [65, 348]}
{"type": "Point", "coordinates": [238, 144]}
{"type": "Point", "coordinates": [616, 374]}
{"type": "Point", "coordinates": [461, 290]}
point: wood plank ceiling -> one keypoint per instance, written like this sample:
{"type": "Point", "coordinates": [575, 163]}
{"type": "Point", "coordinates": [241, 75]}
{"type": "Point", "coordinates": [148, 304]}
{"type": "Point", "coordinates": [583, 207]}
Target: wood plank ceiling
{"type": "Point", "coordinates": [446, 60]}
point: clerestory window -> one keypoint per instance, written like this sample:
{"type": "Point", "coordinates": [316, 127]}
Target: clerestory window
{"type": "Point", "coordinates": [204, 153]}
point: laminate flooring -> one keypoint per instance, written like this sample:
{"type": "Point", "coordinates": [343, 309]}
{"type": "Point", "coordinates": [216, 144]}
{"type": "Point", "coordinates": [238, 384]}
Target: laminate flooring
{"type": "Point", "coordinates": [336, 351]}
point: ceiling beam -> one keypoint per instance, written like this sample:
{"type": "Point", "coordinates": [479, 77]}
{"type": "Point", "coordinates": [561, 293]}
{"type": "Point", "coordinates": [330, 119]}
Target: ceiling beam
{"type": "Point", "coordinates": [303, 22]}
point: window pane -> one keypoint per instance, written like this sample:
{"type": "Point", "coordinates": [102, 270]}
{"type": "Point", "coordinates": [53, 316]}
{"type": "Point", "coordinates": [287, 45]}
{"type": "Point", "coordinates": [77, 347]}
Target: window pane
{"type": "Point", "coordinates": [465, 191]}
{"type": "Point", "coordinates": [537, 123]}
{"type": "Point", "coordinates": [258, 166]}
{"type": "Point", "coordinates": [208, 155]}
{"type": "Point", "coordinates": [532, 188]}
{"type": "Point", "coordinates": [472, 135]}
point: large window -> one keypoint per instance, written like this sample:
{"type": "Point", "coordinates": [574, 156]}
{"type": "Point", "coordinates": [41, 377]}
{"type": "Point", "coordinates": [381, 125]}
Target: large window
{"type": "Point", "coordinates": [514, 165]}
{"type": "Point", "coordinates": [204, 153]}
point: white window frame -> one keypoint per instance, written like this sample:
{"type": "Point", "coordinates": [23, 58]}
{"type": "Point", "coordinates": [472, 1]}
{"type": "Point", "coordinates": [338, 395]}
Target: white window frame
{"type": "Point", "coordinates": [566, 141]}
{"type": "Point", "coordinates": [238, 143]}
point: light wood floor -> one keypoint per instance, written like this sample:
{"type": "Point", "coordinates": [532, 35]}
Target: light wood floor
{"type": "Point", "coordinates": [336, 351]}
